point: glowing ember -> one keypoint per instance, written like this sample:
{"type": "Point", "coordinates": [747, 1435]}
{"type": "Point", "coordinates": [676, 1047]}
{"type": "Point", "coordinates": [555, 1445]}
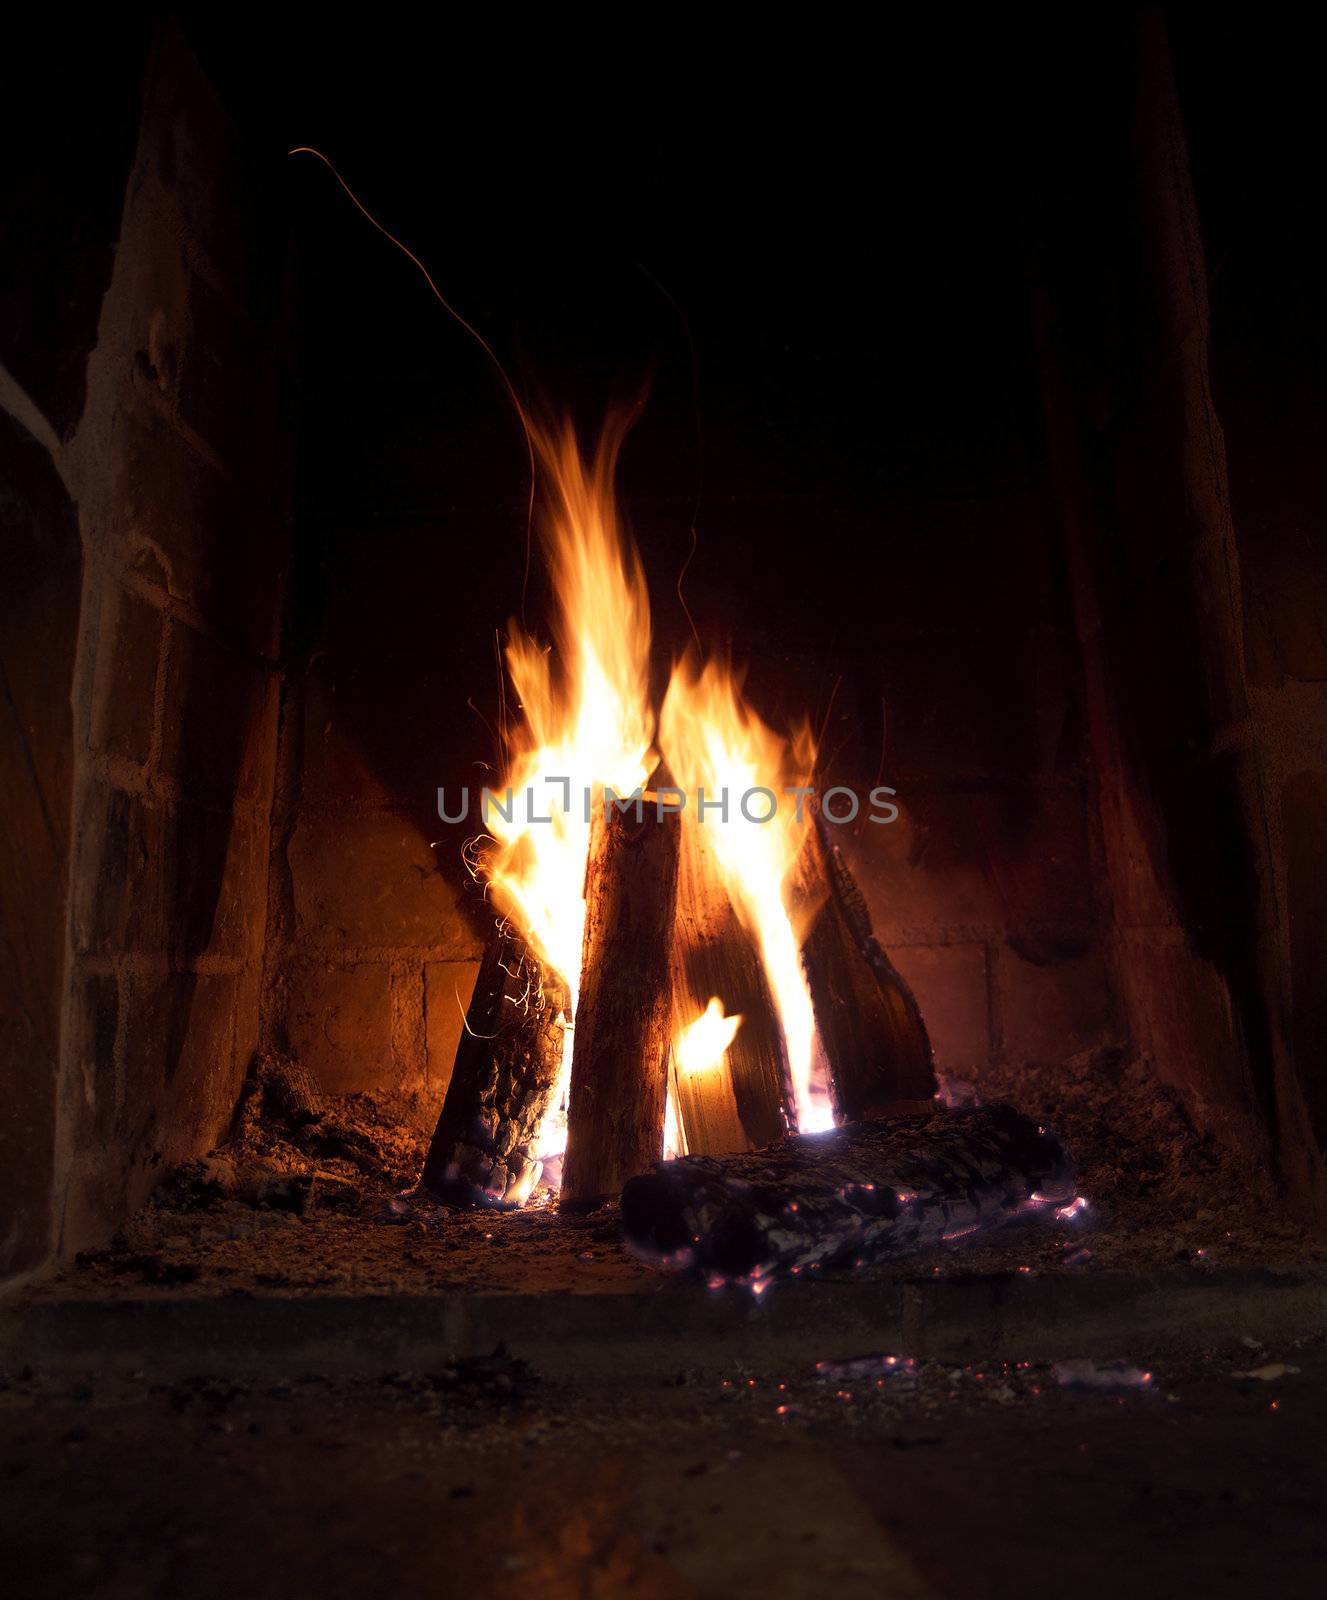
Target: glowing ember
{"type": "Point", "coordinates": [1084, 1374]}
{"type": "Point", "coordinates": [866, 1367]}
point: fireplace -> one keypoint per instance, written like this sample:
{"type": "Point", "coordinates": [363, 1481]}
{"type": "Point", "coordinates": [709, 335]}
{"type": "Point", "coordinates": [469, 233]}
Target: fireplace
{"type": "Point", "coordinates": [285, 609]}
{"type": "Point", "coordinates": [950, 540]}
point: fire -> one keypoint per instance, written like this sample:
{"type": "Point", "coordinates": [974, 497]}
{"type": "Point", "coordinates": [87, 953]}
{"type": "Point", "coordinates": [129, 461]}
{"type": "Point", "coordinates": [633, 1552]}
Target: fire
{"type": "Point", "coordinates": [702, 1045]}
{"type": "Point", "coordinates": [716, 746]}
{"type": "Point", "coordinates": [587, 727]}
{"type": "Point", "coordinates": [585, 722]}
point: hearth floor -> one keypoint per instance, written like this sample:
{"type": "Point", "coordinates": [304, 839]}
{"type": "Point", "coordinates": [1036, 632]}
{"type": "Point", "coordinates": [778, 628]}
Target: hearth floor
{"type": "Point", "coordinates": [378, 1396]}
{"type": "Point", "coordinates": [1161, 1198]}
{"type": "Point", "coordinates": [421, 1249]}
{"type": "Point", "coordinates": [962, 1481]}
{"type": "Point", "coordinates": [1181, 1249]}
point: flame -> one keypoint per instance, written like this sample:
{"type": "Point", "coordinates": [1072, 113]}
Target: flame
{"type": "Point", "coordinates": [716, 746]}
{"type": "Point", "coordinates": [674, 1144]}
{"type": "Point", "coordinates": [702, 1045]}
{"type": "Point", "coordinates": [585, 723]}
{"type": "Point", "coordinates": [581, 728]}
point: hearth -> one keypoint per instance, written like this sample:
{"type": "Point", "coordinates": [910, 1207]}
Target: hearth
{"type": "Point", "coordinates": [666, 741]}
{"type": "Point", "coordinates": [641, 894]}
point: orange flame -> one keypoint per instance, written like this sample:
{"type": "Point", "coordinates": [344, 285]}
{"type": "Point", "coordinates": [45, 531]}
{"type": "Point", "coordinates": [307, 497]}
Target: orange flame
{"type": "Point", "coordinates": [738, 771]}
{"type": "Point", "coordinates": [589, 727]}
{"type": "Point", "coordinates": [586, 723]}
{"type": "Point", "coordinates": [702, 1045]}
{"type": "Point", "coordinates": [581, 728]}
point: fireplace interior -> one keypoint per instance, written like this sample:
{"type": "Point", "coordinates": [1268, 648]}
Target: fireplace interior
{"type": "Point", "coordinates": [966, 431]}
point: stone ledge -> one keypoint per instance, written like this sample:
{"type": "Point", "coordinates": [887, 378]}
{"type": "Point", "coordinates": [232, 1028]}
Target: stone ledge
{"type": "Point", "coordinates": [668, 1323]}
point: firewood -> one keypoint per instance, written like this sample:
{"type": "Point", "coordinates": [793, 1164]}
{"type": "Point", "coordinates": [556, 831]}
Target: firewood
{"type": "Point", "coordinates": [504, 1078]}
{"type": "Point", "coordinates": [706, 1107]}
{"type": "Point", "coordinates": [858, 1193]}
{"type": "Point", "coordinates": [623, 1024]}
{"type": "Point", "coordinates": [739, 1104]}
{"type": "Point", "coordinates": [869, 1027]}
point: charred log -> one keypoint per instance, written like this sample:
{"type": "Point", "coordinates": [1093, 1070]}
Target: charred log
{"type": "Point", "coordinates": [502, 1084]}
{"type": "Point", "coordinates": [868, 1024]}
{"type": "Point", "coordinates": [860, 1193]}
{"type": "Point", "coordinates": [619, 1069]}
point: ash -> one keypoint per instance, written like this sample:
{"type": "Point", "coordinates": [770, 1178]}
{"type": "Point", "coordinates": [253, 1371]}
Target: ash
{"type": "Point", "coordinates": [314, 1195]}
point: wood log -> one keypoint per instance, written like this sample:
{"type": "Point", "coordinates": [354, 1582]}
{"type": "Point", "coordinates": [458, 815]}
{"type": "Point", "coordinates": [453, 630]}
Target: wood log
{"type": "Point", "coordinates": [859, 1193]}
{"type": "Point", "coordinates": [739, 1105]}
{"type": "Point", "coordinates": [506, 1072]}
{"type": "Point", "coordinates": [869, 1028]}
{"type": "Point", "coordinates": [623, 1024]}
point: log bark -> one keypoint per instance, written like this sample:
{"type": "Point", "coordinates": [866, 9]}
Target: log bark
{"type": "Point", "coordinates": [623, 1024]}
{"type": "Point", "coordinates": [505, 1075]}
{"type": "Point", "coordinates": [860, 1193]}
{"type": "Point", "coordinates": [739, 1105]}
{"type": "Point", "coordinates": [868, 1024]}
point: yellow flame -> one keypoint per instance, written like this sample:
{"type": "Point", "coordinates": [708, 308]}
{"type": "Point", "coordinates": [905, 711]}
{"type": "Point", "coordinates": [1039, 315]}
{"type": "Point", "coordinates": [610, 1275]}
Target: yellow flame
{"type": "Point", "coordinates": [585, 722]}
{"type": "Point", "coordinates": [584, 726]}
{"type": "Point", "coordinates": [674, 1144]}
{"type": "Point", "coordinates": [719, 751]}
{"type": "Point", "coordinates": [703, 1044]}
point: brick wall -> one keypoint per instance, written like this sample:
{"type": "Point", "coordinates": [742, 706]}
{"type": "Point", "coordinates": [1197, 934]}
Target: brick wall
{"type": "Point", "coordinates": [982, 891]}
{"type": "Point", "coordinates": [966, 699]}
{"type": "Point", "coordinates": [163, 438]}
{"type": "Point", "coordinates": [374, 950]}
{"type": "Point", "coordinates": [1179, 405]}
{"type": "Point", "coordinates": [177, 471]}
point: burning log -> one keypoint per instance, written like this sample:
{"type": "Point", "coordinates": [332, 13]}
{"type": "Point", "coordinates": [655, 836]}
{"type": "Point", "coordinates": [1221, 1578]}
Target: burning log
{"type": "Point", "coordinates": [869, 1026]}
{"type": "Point", "coordinates": [738, 1103]}
{"type": "Point", "coordinates": [619, 1068]}
{"type": "Point", "coordinates": [860, 1193]}
{"type": "Point", "coordinates": [506, 1073]}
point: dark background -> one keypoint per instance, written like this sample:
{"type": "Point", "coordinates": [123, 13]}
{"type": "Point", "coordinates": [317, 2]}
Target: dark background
{"type": "Point", "coordinates": [819, 253]}
{"type": "Point", "coordinates": [814, 255]}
